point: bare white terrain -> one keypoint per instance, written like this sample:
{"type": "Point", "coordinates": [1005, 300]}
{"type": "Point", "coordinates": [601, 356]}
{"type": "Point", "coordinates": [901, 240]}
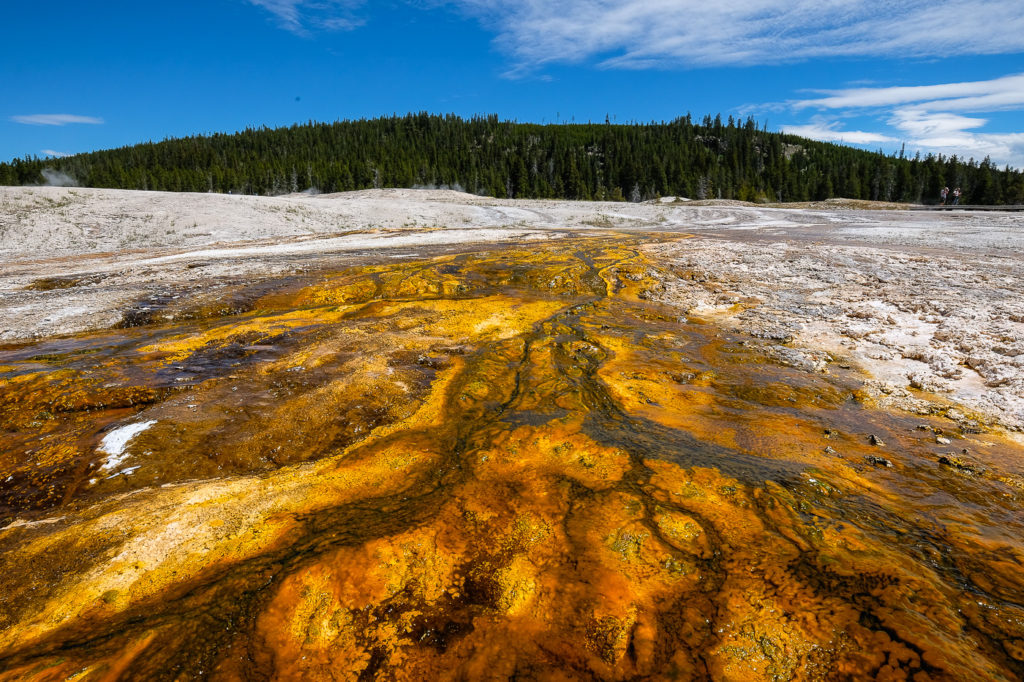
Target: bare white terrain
{"type": "Point", "coordinates": [919, 301]}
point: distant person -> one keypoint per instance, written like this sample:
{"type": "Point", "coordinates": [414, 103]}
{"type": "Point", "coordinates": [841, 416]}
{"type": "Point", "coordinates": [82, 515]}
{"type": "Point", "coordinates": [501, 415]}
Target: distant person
{"type": "Point", "coordinates": [956, 196]}
{"type": "Point", "coordinates": [943, 193]}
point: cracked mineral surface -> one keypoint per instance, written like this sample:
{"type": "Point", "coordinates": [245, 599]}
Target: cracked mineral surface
{"type": "Point", "coordinates": [422, 435]}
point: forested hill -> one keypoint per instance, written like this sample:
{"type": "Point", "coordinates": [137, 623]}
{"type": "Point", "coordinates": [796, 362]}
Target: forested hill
{"type": "Point", "coordinates": [484, 155]}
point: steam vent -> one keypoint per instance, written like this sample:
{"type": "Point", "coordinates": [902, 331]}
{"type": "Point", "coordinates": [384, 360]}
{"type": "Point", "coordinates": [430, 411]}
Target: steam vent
{"type": "Point", "coordinates": [501, 462]}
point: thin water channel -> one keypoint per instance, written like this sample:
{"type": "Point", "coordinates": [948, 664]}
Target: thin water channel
{"type": "Point", "coordinates": [488, 465]}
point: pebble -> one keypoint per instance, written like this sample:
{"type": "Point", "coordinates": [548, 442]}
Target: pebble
{"type": "Point", "coordinates": [878, 461]}
{"type": "Point", "coordinates": [875, 440]}
{"type": "Point", "coordinates": [959, 464]}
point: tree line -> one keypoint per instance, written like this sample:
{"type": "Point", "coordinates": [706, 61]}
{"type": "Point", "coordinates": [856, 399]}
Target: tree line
{"type": "Point", "coordinates": [484, 155]}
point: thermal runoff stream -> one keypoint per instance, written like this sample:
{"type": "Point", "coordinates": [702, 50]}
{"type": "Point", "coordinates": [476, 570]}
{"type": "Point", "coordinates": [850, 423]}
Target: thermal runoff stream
{"type": "Point", "coordinates": [506, 463]}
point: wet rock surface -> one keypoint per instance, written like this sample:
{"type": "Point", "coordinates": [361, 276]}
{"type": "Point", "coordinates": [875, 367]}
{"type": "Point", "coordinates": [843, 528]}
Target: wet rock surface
{"type": "Point", "coordinates": [494, 464]}
{"type": "Point", "coordinates": [617, 442]}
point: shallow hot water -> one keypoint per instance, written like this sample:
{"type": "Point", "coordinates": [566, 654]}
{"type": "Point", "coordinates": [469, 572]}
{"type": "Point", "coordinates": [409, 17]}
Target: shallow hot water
{"type": "Point", "coordinates": [508, 464]}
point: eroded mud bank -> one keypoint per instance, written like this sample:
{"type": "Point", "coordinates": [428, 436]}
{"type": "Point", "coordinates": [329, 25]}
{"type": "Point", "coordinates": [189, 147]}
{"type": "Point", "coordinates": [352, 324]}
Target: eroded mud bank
{"type": "Point", "coordinates": [512, 463]}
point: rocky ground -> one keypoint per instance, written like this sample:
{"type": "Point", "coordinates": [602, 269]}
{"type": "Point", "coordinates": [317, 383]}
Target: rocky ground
{"type": "Point", "coordinates": [941, 321]}
{"type": "Point", "coordinates": [424, 435]}
{"type": "Point", "coordinates": [921, 302]}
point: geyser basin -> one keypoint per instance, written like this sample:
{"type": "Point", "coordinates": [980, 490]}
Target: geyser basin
{"type": "Point", "coordinates": [511, 463]}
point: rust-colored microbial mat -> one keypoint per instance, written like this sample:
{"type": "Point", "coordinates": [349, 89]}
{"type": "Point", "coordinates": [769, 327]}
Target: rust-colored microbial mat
{"type": "Point", "coordinates": [500, 464]}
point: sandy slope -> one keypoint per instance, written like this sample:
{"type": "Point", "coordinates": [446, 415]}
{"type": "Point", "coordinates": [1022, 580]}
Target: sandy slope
{"type": "Point", "coordinates": [935, 301]}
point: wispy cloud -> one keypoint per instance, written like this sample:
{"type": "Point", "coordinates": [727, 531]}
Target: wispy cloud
{"type": "Point", "coordinates": [55, 119]}
{"type": "Point", "coordinates": [639, 34]}
{"type": "Point", "coordinates": [930, 118]}
{"type": "Point", "coordinates": [51, 152]}
{"type": "Point", "coordinates": [302, 16]}
{"type": "Point", "coordinates": [989, 95]}
{"type": "Point", "coordinates": [829, 131]}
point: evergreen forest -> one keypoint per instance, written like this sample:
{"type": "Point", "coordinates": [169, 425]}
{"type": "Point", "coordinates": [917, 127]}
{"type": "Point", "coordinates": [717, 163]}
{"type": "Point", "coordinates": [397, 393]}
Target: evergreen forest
{"type": "Point", "coordinates": [484, 155]}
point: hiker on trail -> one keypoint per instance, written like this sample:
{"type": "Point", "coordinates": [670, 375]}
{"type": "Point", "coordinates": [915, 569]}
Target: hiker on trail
{"type": "Point", "coordinates": [942, 195]}
{"type": "Point", "coordinates": [956, 196]}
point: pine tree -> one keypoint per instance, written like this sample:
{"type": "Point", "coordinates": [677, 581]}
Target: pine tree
{"type": "Point", "coordinates": [484, 154]}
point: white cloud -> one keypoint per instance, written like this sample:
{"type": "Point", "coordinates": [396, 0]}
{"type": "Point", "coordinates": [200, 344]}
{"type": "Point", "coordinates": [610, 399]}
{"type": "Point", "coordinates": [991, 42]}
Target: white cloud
{"type": "Point", "coordinates": [55, 119]}
{"type": "Point", "coordinates": [299, 16]}
{"type": "Point", "coordinates": [998, 93]}
{"type": "Point", "coordinates": [641, 34]}
{"type": "Point", "coordinates": [929, 118]}
{"type": "Point", "coordinates": [51, 152]}
{"type": "Point", "coordinates": [923, 123]}
{"type": "Point", "coordinates": [946, 133]}
{"type": "Point", "coordinates": [828, 132]}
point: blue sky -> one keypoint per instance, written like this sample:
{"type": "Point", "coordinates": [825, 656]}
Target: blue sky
{"type": "Point", "coordinates": [934, 76]}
